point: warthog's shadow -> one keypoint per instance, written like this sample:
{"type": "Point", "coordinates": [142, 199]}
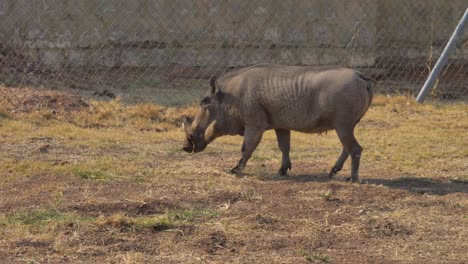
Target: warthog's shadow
{"type": "Point", "coordinates": [423, 185]}
{"type": "Point", "coordinates": [419, 185]}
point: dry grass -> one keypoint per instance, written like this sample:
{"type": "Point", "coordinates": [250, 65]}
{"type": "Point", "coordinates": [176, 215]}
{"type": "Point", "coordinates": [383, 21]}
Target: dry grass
{"type": "Point", "coordinates": [108, 183]}
{"type": "Point", "coordinates": [4, 114]}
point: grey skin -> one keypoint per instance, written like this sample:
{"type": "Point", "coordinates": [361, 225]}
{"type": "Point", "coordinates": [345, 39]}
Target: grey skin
{"type": "Point", "coordinates": [307, 99]}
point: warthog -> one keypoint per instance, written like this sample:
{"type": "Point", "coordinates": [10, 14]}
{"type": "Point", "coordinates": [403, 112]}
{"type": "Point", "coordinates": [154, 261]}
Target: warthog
{"type": "Point", "coordinates": [308, 99]}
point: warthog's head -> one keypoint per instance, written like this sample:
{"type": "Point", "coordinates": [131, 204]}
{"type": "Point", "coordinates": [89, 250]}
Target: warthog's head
{"type": "Point", "coordinates": [201, 130]}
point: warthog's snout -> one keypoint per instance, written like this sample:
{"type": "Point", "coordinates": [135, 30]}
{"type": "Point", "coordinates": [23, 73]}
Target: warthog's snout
{"type": "Point", "coordinates": [199, 147]}
{"type": "Point", "coordinates": [188, 149]}
{"type": "Point", "coordinates": [190, 146]}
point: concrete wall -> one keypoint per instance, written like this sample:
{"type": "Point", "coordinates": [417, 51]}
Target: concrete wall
{"type": "Point", "coordinates": [225, 33]}
{"type": "Point", "coordinates": [411, 28]}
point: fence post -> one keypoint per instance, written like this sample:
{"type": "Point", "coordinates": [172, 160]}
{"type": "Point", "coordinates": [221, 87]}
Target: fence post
{"type": "Point", "coordinates": [442, 60]}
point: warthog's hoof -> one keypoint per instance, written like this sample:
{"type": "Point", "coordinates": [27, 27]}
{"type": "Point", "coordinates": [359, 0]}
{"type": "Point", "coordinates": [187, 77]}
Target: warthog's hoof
{"type": "Point", "coordinates": [333, 172]}
{"type": "Point", "coordinates": [236, 171]}
{"type": "Point", "coordinates": [283, 172]}
{"type": "Point", "coordinates": [353, 179]}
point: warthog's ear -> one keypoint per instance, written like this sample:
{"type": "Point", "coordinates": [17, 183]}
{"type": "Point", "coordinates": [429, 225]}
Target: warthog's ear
{"type": "Point", "coordinates": [214, 85]}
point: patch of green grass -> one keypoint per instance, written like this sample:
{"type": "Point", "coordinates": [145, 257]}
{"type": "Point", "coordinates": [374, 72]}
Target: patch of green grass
{"type": "Point", "coordinates": [28, 168]}
{"type": "Point", "coordinates": [328, 195]}
{"type": "Point", "coordinates": [99, 168]}
{"type": "Point", "coordinates": [140, 179]}
{"type": "Point", "coordinates": [90, 174]}
{"type": "Point", "coordinates": [40, 219]}
{"type": "Point", "coordinates": [103, 167]}
{"type": "Point", "coordinates": [157, 223]}
{"type": "Point", "coordinates": [192, 215]}
{"type": "Point", "coordinates": [39, 216]}
{"type": "Point", "coordinates": [316, 256]}
{"type": "Point", "coordinates": [168, 220]}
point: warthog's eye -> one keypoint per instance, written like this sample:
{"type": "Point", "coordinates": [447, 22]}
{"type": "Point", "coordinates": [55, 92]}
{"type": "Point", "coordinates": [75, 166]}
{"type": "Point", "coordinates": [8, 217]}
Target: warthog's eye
{"type": "Point", "coordinates": [205, 101]}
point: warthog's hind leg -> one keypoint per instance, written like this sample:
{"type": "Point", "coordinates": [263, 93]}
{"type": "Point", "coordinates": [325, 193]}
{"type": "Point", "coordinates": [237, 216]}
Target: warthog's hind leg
{"type": "Point", "coordinates": [284, 143]}
{"type": "Point", "coordinates": [339, 163]}
{"type": "Point", "coordinates": [351, 146]}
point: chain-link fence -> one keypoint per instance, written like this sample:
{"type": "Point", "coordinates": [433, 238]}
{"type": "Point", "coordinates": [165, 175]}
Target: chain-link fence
{"type": "Point", "coordinates": [164, 51]}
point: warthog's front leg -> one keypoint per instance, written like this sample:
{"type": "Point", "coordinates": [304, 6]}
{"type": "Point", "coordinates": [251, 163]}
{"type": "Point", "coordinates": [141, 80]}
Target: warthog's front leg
{"type": "Point", "coordinates": [252, 137]}
{"type": "Point", "coordinates": [284, 143]}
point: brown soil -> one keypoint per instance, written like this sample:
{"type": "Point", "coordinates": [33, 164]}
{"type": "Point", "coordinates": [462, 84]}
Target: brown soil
{"type": "Point", "coordinates": [267, 219]}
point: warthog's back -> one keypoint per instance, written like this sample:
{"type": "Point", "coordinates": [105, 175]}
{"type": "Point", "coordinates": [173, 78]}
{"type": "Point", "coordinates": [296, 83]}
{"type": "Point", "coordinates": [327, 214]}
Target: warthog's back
{"type": "Point", "coordinates": [302, 98]}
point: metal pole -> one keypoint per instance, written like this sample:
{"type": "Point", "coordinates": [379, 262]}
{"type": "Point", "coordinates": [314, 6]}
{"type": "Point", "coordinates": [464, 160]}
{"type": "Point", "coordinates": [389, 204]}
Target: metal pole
{"type": "Point", "coordinates": [443, 59]}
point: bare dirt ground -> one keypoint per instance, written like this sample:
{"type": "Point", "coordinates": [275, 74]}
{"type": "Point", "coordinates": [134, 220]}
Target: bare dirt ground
{"type": "Point", "coordinates": [81, 184]}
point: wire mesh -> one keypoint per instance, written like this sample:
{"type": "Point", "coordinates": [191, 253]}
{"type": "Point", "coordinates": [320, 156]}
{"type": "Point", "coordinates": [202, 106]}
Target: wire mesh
{"type": "Point", "coordinates": [65, 53]}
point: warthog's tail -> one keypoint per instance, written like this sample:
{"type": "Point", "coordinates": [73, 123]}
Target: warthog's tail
{"type": "Point", "coordinates": [370, 82]}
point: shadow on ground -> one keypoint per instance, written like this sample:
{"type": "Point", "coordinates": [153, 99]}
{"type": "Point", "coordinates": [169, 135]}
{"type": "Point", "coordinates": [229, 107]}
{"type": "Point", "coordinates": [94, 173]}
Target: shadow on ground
{"type": "Point", "coordinates": [420, 185]}
{"type": "Point", "coordinates": [423, 185]}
